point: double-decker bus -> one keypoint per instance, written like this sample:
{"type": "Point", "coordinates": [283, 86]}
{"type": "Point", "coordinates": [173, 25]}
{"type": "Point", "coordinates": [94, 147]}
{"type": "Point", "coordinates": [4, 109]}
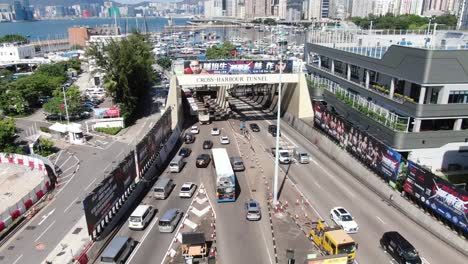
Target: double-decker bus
{"type": "Point", "coordinates": [225, 180]}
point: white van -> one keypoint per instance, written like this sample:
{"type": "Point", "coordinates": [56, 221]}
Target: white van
{"type": "Point", "coordinates": [141, 217]}
{"type": "Point", "coordinates": [177, 163]}
{"type": "Point", "coordinates": [162, 188]}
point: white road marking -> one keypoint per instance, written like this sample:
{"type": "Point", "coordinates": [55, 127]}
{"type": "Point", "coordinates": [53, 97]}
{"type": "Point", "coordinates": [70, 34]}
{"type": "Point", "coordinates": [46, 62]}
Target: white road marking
{"type": "Point", "coordinates": [16, 261]}
{"type": "Point", "coordinates": [68, 175]}
{"type": "Point", "coordinates": [44, 217]}
{"type": "Point", "coordinates": [89, 185]}
{"type": "Point", "coordinates": [250, 191]}
{"type": "Point", "coordinates": [70, 205]}
{"type": "Point", "coordinates": [39, 237]}
{"type": "Point", "coordinates": [380, 219]}
{"type": "Point", "coordinates": [155, 220]}
{"type": "Point", "coordinates": [65, 162]}
{"type": "Point", "coordinates": [425, 260]}
{"type": "Point", "coordinates": [58, 157]}
{"type": "Point", "coordinates": [71, 167]}
{"type": "Point", "coordinates": [66, 184]}
{"type": "Point", "coordinates": [318, 185]}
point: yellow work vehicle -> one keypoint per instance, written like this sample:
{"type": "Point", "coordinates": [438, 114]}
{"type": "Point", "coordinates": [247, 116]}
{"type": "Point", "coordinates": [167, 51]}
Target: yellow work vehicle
{"type": "Point", "coordinates": [333, 240]}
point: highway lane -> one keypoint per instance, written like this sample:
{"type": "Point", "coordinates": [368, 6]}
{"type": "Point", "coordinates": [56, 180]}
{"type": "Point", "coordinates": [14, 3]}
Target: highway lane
{"type": "Point", "coordinates": [237, 238]}
{"type": "Point", "coordinates": [326, 185]}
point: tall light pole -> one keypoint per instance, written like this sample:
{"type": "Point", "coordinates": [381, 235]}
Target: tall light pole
{"type": "Point", "coordinates": [65, 102]}
{"type": "Point", "coordinates": [278, 116]}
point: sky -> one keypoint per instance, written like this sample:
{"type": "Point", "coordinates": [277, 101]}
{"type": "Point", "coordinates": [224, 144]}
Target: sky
{"type": "Point", "coordinates": [138, 1]}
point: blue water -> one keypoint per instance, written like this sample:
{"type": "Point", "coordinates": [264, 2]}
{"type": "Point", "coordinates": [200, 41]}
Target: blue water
{"type": "Point", "coordinates": [57, 29]}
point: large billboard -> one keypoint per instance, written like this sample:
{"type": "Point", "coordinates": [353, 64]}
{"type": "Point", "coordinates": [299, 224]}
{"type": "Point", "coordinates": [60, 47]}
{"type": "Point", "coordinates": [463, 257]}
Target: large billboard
{"type": "Point", "coordinates": [382, 159]}
{"type": "Point", "coordinates": [441, 196]}
{"type": "Point", "coordinates": [151, 144]}
{"type": "Point", "coordinates": [237, 66]}
{"type": "Point", "coordinates": [98, 203]}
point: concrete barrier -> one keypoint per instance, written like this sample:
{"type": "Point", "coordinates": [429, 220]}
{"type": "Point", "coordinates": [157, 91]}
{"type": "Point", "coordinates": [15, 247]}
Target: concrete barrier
{"type": "Point", "coordinates": [374, 182]}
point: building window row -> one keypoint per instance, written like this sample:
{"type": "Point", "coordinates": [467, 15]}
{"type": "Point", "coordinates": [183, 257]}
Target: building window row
{"type": "Point", "coordinates": [458, 97]}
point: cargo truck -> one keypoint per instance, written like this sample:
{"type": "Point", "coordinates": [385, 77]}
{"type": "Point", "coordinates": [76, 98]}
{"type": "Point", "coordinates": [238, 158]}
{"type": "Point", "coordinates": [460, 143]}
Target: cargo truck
{"type": "Point", "coordinates": [204, 117]}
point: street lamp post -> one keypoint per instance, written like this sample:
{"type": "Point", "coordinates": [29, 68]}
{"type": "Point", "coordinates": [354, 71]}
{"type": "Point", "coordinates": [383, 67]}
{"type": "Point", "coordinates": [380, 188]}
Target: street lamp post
{"type": "Point", "coordinates": [278, 116]}
{"type": "Point", "coordinates": [65, 102]}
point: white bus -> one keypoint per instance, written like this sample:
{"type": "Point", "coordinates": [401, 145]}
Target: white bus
{"type": "Point", "coordinates": [225, 179]}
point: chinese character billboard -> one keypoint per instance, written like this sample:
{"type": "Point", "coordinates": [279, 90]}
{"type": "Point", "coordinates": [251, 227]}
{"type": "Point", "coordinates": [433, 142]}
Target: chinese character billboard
{"type": "Point", "coordinates": [442, 197]}
{"type": "Point", "coordinates": [237, 66]}
{"type": "Point", "coordinates": [380, 158]}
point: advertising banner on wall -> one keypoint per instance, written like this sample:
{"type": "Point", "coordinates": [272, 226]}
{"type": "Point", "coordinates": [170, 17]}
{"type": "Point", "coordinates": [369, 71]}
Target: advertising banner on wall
{"type": "Point", "coordinates": [109, 112]}
{"type": "Point", "coordinates": [237, 66]}
{"type": "Point", "coordinates": [442, 197]}
{"type": "Point", "coordinates": [98, 203]}
{"type": "Point", "coordinates": [373, 153]}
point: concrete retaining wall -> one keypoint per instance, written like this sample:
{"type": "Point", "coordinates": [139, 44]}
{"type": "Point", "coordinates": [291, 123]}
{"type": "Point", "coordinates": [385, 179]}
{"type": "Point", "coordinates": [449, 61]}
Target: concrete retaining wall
{"type": "Point", "coordinates": [373, 182]}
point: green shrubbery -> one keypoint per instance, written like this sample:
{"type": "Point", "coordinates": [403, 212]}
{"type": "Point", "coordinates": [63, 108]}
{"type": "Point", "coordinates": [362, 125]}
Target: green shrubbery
{"type": "Point", "coordinates": [108, 130]}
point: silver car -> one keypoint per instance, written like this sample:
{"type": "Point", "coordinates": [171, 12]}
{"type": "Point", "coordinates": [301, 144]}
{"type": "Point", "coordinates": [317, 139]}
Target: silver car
{"type": "Point", "coordinates": [253, 212]}
{"type": "Point", "coordinates": [237, 164]}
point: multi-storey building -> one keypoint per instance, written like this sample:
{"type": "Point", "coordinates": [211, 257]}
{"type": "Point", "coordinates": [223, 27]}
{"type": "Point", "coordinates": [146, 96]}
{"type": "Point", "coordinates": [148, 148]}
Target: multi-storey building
{"type": "Point", "coordinates": [213, 8]}
{"type": "Point", "coordinates": [409, 91]}
{"type": "Point", "coordinates": [362, 8]}
{"type": "Point", "coordinates": [6, 13]}
{"type": "Point", "coordinates": [462, 22]}
{"type": "Point", "coordinates": [11, 52]}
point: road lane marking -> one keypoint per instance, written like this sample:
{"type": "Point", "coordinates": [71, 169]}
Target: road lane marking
{"type": "Point", "coordinates": [72, 166]}
{"type": "Point", "coordinates": [66, 184]}
{"type": "Point", "coordinates": [89, 185]}
{"type": "Point", "coordinates": [44, 217]}
{"type": "Point", "coordinates": [318, 185]}
{"type": "Point", "coordinates": [155, 220]}
{"type": "Point", "coordinates": [425, 260]}
{"type": "Point", "coordinates": [65, 162]}
{"type": "Point", "coordinates": [39, 237]}
{"type": "Point", "coordinates": [70, 205]}
{"type": "Point", "coordinates": [380, 220]}
{"type": "Point", "coordinates": [16, 261]}
{"type": "Point", "coordinates": [64, 177]}
{"type": "Point", "coordinates": [58, 157]}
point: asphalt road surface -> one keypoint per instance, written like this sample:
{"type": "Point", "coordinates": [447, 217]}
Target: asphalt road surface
{"type": "Point", "coordinates": [327, 185]}
{"type": "Point", "coordinates": [239, 241]}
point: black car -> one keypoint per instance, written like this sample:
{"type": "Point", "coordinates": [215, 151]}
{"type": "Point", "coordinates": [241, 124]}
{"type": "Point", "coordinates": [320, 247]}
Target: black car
{"type": "Point", "coordinates": [272, 130]}
{"type": "Point", "coordinates": [55, 117]}
{"type": "Point", "coordinates": [189, 138]}
{"type": "Point", "coordinates": [207, 144]}
{"type": "Point", "coordinates": [185, 152]}
{"type": "Point", "coordinates": [254, 127]}
{"type": "Point", "coordinates": [203, 160]}
{"type": "Point", "coordinates": [399, 248]}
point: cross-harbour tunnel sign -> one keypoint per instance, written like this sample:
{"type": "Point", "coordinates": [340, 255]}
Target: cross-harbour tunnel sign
{"type": "Point", "coordinates": [187, 80]}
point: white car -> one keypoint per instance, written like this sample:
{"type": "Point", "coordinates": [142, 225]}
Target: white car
{"type": "Point", "coordinates": [224, 140]}
{"type": "Point", "coordinates": [194, 130]}
{"type": "Point", "coordinates": [344, 219]}
{"type": "Point", "coordinates": [215, 131]}
{"type": "Point", "coordinates": [187, 190]}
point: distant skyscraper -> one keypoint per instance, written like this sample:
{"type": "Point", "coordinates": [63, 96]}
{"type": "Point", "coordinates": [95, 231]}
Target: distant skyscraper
{"type": "Point", "coordinates": [313, 9]}
{"type": "Point", "coordinates": [463, 15]}
{"type": "Point", "coordinates": [325, 8]}
{"type": "Point", "coordinates": [362, 8]}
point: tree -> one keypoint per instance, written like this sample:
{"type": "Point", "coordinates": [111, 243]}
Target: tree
{"type": "Point", "coordinates": [13, 38]}
{"type": "Point", "coordinates": [56, 105]}
{"type": "Point", "coordinates": [44, 147]}
{"type": "Point", "coordinates": [449, 21]}
{"type": "Point", "coordinates": [165, 63]}
{"type": "Point", "coordinates": [127, 65]}
{"type": "Point", "coordinates": [7, 131]}
{"type": "Point", "coordinates": [225, 51]}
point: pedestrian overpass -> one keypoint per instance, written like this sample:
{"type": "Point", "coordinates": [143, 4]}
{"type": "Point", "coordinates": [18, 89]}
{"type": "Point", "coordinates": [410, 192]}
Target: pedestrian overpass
{"type": "Point", "coordinates": [236, 81]}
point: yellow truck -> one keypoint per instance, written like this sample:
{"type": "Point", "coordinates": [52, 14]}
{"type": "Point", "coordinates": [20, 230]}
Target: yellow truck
{"type": "Point", "coordinates": [333, 240]}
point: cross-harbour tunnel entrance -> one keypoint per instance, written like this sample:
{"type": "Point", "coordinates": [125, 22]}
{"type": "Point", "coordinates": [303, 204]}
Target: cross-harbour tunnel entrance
{"type": "Point", "coordinates": [223, 93]}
